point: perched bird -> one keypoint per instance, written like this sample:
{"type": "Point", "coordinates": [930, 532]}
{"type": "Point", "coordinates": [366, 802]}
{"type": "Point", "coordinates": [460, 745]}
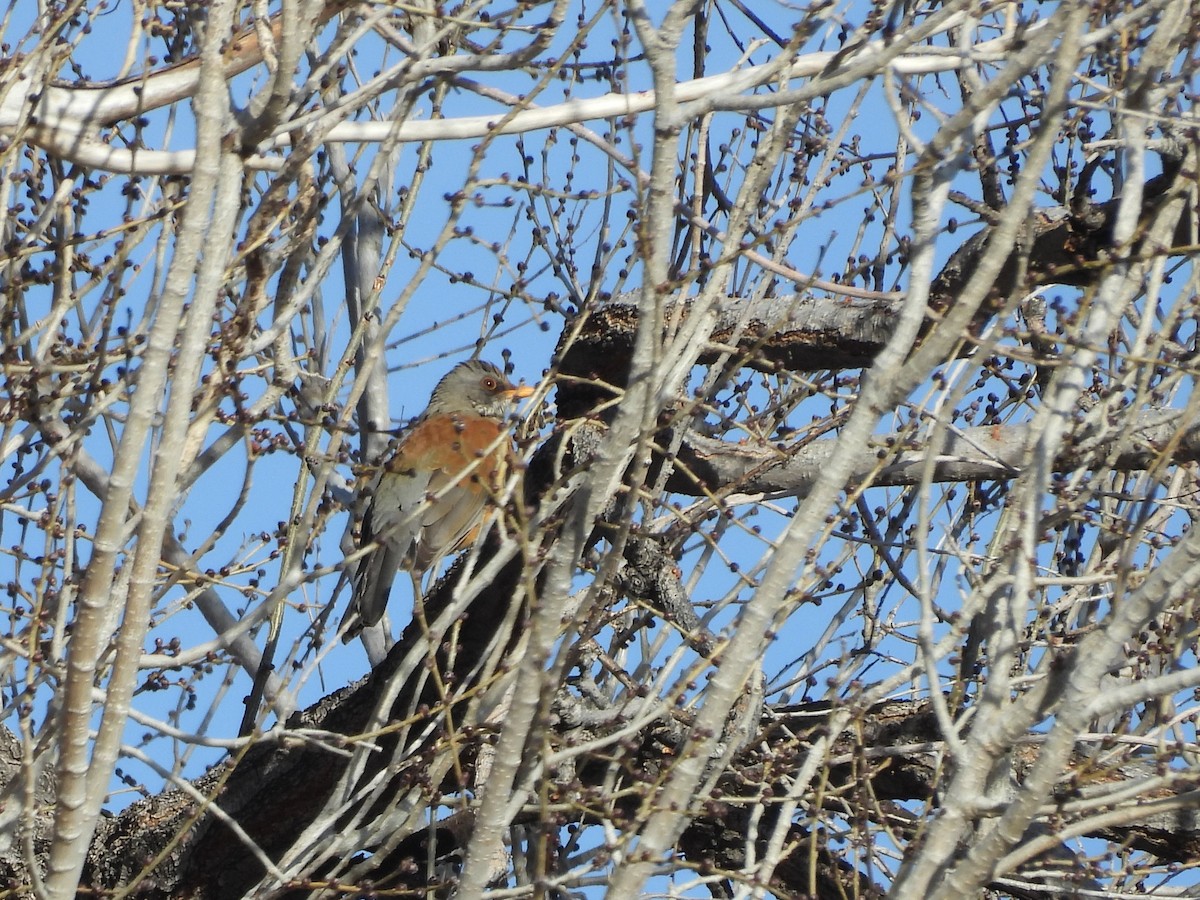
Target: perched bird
{"type": "Point", "coordinates": [432, 495]}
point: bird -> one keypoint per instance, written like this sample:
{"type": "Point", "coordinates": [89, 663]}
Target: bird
{"type": "Point", "coordinates": [432, 494]}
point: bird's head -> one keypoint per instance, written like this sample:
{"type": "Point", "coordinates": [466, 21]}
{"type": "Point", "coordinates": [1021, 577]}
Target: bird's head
{"type": "Point", "coordinates": [476, 387]}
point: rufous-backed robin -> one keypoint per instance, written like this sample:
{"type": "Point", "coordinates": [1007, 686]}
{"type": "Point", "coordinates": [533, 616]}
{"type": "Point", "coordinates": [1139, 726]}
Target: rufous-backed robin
{"type": "Point", "coordinates": [435, 492]}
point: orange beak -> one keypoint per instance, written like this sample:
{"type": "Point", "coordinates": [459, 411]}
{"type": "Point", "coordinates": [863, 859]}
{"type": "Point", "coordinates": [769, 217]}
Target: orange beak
{"type": "Point", "coordinates": [520, 393]}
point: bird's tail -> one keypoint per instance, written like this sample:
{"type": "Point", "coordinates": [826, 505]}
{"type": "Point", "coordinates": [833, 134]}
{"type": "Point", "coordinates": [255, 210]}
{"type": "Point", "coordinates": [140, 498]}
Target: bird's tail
{"type": "Point", "coordinates": [372, 587]}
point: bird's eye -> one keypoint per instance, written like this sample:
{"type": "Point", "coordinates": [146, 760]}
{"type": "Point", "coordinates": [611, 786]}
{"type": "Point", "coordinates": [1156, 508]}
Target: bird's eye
{"type": "Point", "coordinates": [489, 383]}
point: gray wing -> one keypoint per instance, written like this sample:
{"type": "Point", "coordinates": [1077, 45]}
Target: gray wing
{"type": "Point", "coordinates": [392, 523]}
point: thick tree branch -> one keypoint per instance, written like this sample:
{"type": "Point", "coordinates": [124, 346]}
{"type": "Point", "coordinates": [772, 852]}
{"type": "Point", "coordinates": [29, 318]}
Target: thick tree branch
{"type": "Point", "coordinates": [987, 453]}
{"type": "Point", "coordinates": [890, 755]}
{"type": "Point", "coordinates": [804, 334]}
